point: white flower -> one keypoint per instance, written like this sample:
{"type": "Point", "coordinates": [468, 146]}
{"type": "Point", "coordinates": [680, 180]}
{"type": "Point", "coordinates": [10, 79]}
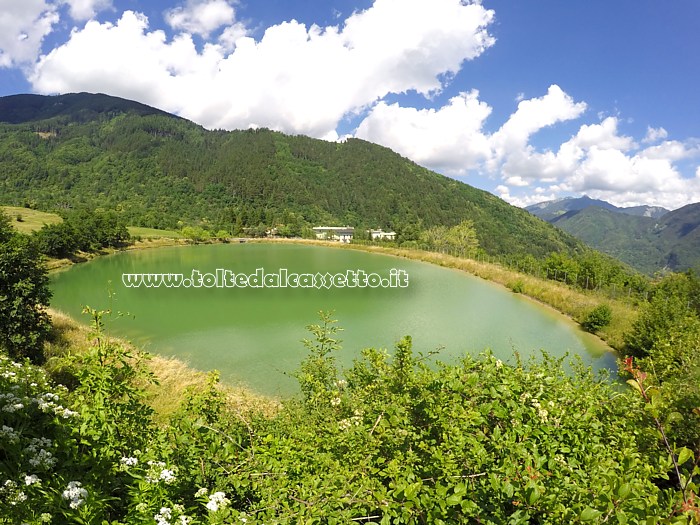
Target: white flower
{"type": "Point", "coordinates": [499, 363]}
{"type": "Point", "coordinates": [9, 434]}
{"type": "Point", "coordinates": [217, 501]}
{"type": "Point", "coordinates": [76, 494]}
{"type": "Point", "coordinates": [201, 492]}
{"type": "Point", "coordinates": [163, 517]}
{"type": "Point", "coordinates": [129, 462]}
{"type": "Point", "coordinates": [344, 424]}
{"type": "Point", "coordinates": [167, 475]}
{"type": "Point", "coordinates": [335, 401]}
{"type": "Point", "coordinates": [31, 479]}
{"type": "Point", "coordinates": [185, 520]}
{"type": "Point", "coordinates": [65, 413]}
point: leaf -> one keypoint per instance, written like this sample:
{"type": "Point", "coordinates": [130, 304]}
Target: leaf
{"type": "Point", "coordinates": [674, 417]}
{"type": "Point", "coordinates": [684, 454]}
{"type": "Point", "coordinates": [454, 499]}
{"type": "Point", "coordinates": [624, 490]}
{"type": "Point", "coordinates": [589, 514]}
{"type": "Point", "coordinates": [635, 384]}
{"type": "Point", "coordinates": [532, 495]}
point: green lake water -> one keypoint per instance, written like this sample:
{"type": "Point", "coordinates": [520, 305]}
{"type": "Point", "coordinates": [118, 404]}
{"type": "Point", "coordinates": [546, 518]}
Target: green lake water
{"type": "Point", "coordinates": [253, 335]}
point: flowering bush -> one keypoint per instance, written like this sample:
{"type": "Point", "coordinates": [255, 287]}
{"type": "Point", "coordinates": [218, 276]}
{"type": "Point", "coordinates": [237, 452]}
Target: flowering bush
{"type": "Point", "coordinates": [391, 440]}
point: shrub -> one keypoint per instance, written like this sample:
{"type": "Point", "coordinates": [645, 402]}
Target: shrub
{"type": "Point", "coordinates": [597, 318]}
{"type": "Point", "coordinates": [517, 286]}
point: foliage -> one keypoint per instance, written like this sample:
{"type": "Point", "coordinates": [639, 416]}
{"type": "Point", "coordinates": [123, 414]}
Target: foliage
{"type": "Point", "coordinates": [517, 286]}
{"type": "Point", "coordinates": [24, 294]}
{"type": "Point", "coordinates": [664, 342]}
{"type": "Point", "coordinates": [392, 440]}
{"type": "Point", "coordinates": [83, 230]}
{"type": "Point", "coordinates": [598, 318]}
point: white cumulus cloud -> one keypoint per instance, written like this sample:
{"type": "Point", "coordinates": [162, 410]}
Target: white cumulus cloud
{"type": "Point", "coordinates": [448, 139]}
{"type": "Point", "coordinates": [201, 17]}
{"type": "Point", "coordinates": [295, 78]}
{"type": "Point", "coordinates": [23, 26]}
{"type": "Point", "coordinates": [86, 9]}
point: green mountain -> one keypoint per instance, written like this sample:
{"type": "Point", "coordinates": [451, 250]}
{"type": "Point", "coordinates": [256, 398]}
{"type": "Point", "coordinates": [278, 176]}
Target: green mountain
{"type": "Point", "coordinates": [648, 244]}
{"type": "Point", "coordinates": [157, 170]}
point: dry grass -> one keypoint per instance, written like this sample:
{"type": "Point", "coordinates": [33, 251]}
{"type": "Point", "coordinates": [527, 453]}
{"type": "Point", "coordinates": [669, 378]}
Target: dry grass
{"type": "Point", "coordinates": [174, 379]}
{"type": "Point", "coordinates": [32, 220]}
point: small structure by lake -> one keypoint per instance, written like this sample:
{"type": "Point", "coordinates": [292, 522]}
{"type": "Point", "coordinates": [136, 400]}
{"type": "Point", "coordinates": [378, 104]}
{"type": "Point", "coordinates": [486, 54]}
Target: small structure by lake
{"type": "Point", "coordinates": [381, 235]}
{"type": "Point", "coordinates": [334, 233]}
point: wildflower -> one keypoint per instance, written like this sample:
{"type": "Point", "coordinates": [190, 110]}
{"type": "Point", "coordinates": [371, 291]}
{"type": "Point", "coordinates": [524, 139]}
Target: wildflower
{"type": "Point", "coordinates": [163, 517]}
{"type": "Point", "coordinates": [43, 459]}
{"type": "Point", "coordinates": [31, 480]}
{"type": "Point", "coordinates": [185, 520]}
{"type": "Point", "coordinates": [167, 475]}
{"type": "Point", "coordinates": [217, 501]}
{"type": "Point", "coordinates": [344, 424]}
{"type": "Point", "coordinates": [65, 413]}
{"type": "Point", "coordinates": [129, 462]}
{"type": "Point", "coordinates": [9, 434]}
{"type": "Point", "coordinates": [341, 383]}
{"type": "Point", "coordinates": [19, 497]}
{"type": "Point", "coordinates": [335, 401]}
{"type": "Point", "coordinates": [45, 518]}
{"type": "Point", "coordinates": [201, 492]}
{"type": "Point", "coordinates": [75, 493]}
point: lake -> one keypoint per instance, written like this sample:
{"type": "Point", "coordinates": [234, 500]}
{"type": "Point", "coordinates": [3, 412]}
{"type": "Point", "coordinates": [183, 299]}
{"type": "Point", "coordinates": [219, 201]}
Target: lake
{"type": "Point", "coordinates": [252, 335]}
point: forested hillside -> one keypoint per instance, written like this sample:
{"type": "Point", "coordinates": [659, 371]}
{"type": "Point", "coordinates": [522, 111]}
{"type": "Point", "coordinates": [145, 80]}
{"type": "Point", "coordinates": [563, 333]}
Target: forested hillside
{"type": "Point", "coordinates": [161, 171]}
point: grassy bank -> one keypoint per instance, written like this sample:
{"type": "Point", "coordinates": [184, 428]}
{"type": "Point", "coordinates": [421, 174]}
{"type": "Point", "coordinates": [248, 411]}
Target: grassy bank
{"type": "Point", "coordinates": [173, 378]}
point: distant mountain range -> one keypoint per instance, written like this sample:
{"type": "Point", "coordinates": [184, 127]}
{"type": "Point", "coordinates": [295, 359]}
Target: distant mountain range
{"type": "Point", "coordinates": [550, 210]}
{"type": "Point", "coordinates": [162, 171]}
{"type": "Point", "coordinates": [648, 238]}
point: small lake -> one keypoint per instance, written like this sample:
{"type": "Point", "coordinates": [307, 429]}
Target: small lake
{"type": "Point", "coordinates": [252, 335]}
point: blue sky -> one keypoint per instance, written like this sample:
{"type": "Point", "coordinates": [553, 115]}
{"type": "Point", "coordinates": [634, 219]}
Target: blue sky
{"type": "Point", "coordinates": [528, 99]}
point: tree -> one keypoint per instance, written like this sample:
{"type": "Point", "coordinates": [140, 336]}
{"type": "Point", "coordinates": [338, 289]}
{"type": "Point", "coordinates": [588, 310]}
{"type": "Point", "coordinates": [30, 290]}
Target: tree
{"type": "Point", "coordinates": [24, 295]}
{"type": "Point", "coordinates": [462, 237]}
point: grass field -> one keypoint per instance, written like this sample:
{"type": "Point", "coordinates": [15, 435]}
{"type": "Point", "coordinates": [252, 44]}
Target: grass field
{"type": "Point", "coordinates": [152, 233]}
{"type": "Point", "coordinates": [32, 220]}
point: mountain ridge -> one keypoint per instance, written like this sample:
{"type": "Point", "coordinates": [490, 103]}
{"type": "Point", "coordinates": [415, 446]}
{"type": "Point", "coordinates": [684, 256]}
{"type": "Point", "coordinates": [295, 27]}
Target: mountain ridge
{"type": "Point", "coordinates": [162, 171]}
{"type": "Point", "coordinates": [637, 236]}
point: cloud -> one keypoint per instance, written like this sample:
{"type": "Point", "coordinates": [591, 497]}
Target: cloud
{"type": "Point", "coordinates": [201, 17]}
{"type": "Point", "coordinates": [598, 160]}
{"type": "Point", "coordinates": [23, 26]}
{"type": "Point", "coordinates": [448, 139]}
{"type": "Point", "coordinates": [296, 79]}
{"type": "Point", "coordinates": [86, 9]}
{"type": "Point", "coordinates": [604, 164]}
{"type": "Point", "coordinates": [654, 135]}
{"type": "Point", "coordinates": [531, 116]}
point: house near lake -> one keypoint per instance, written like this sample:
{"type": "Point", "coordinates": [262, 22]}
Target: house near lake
{"type": "Point", "coordinates": [334, 233]}
{"type": "Point", "coordinates": [381, 235]}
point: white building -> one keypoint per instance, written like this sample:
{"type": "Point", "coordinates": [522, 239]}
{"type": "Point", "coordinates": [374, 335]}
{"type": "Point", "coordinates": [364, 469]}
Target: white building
{"type": "Point", "coordinates": [334, 233]}
{"type": "Point", "coordinates": [380, 235]}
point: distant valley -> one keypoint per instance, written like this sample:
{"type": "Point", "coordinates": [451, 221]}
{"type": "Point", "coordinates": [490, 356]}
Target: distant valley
{"type": "Point", "coordinates": [648, 238]}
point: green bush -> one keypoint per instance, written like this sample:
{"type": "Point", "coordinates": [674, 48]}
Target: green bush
{"type": "Point", "coordinates": [598, 318]}
{"type": "Point", "coordinates": [517, 286]}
